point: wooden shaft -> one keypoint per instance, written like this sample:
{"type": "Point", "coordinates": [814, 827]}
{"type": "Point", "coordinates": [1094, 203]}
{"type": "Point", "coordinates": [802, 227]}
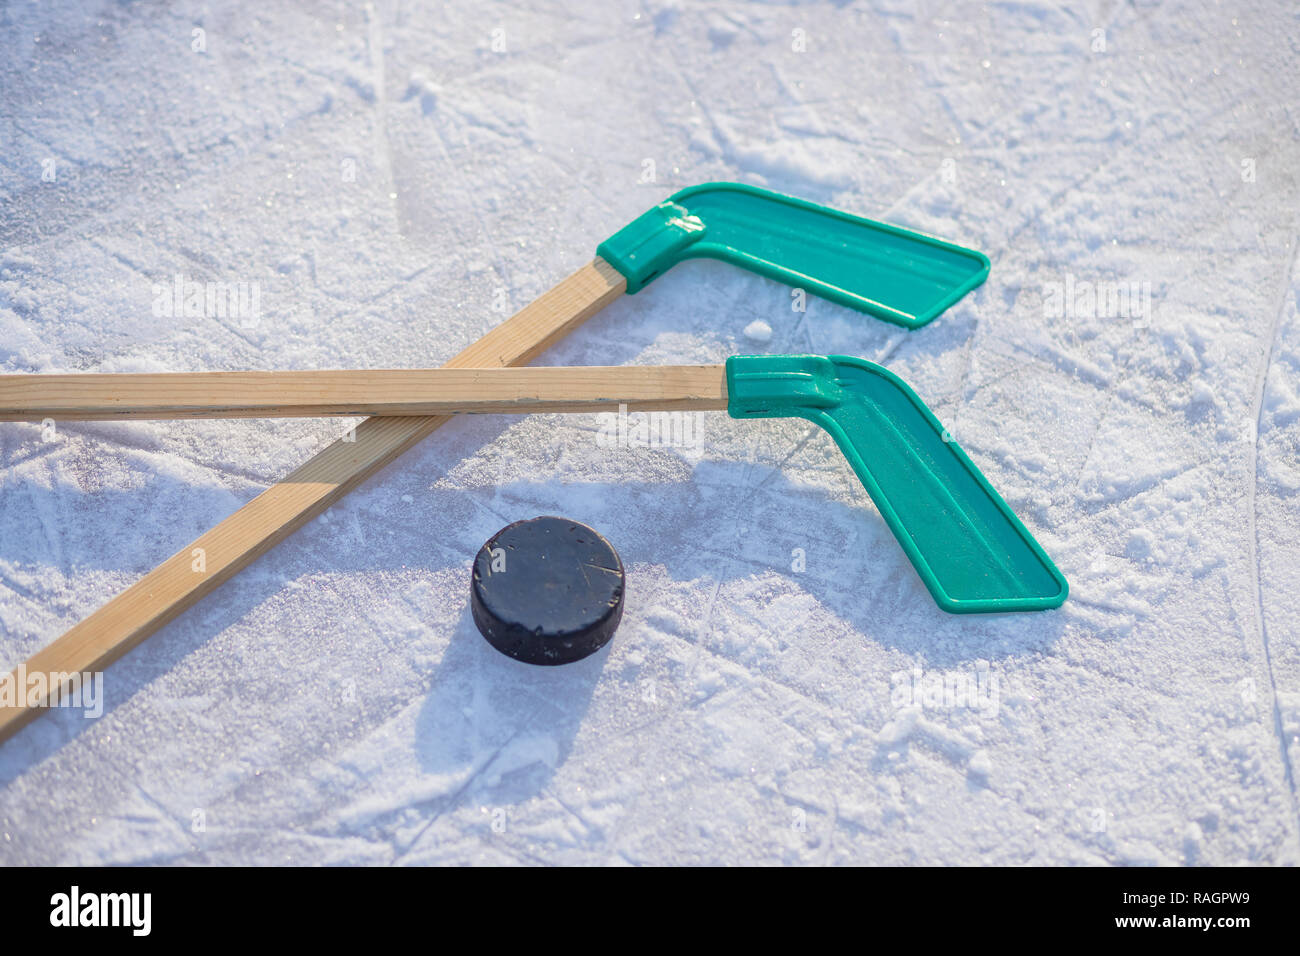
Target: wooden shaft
{"type": "Point", "coordinates": [175, 585]}
{"type": "Point", "coordinates": [443, 391]}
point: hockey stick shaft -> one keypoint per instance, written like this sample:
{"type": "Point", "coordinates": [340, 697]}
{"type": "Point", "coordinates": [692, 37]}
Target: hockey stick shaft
{"type": "Point", "coordinates": [441, 391]}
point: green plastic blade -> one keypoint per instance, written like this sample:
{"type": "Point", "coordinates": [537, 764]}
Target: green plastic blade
{"type": "Point", "coordinates": [965, 542]}
{"type": "Point", "coordinates": [893, 273]}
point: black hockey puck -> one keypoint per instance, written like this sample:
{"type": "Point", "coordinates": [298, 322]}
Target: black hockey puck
{"type": "Point", "coordinates": [547, 591]}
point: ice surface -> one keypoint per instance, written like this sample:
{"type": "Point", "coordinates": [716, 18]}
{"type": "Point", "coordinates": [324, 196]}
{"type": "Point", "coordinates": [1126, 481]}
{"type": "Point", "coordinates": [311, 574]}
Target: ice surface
{"type": "Point", "coordinates": [398, 176]}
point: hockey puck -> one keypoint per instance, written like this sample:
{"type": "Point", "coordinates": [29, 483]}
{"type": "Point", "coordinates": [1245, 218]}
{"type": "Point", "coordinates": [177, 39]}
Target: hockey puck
{"type": "Point", "coordinates": [547, 591]}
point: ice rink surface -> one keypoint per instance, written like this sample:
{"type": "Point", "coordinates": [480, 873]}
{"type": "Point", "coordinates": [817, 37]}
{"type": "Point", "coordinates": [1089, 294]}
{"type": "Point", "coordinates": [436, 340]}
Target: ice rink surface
{"type": "Point", "coordinates": [395, 178]}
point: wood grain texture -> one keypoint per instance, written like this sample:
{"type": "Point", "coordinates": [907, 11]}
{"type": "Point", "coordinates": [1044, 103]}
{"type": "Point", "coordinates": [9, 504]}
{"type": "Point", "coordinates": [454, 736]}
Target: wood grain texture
{"type": "Point", "coordinates": [440, 391]}
{"type": "Point", "coordinates": [174, 585]}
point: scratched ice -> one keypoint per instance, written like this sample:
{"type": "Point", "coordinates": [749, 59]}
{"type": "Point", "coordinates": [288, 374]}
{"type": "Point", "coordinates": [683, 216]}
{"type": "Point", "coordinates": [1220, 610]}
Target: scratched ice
{"type": "Point", "coordinates": [394, 178]}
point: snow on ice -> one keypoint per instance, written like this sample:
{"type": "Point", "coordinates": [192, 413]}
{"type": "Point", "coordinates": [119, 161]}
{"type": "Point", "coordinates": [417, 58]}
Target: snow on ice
{"type": "Point", "coordinates": [395, 178]}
